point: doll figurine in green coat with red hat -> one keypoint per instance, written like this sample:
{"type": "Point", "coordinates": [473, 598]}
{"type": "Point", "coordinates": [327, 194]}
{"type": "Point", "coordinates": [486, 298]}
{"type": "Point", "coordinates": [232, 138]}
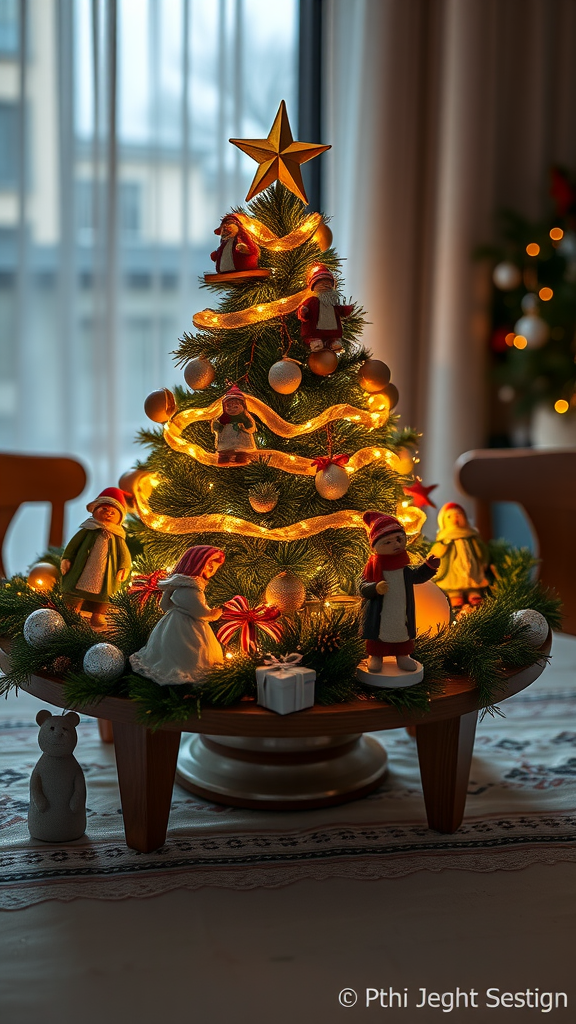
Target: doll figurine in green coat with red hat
{"type": "Point", "coordinates": [97, 560]}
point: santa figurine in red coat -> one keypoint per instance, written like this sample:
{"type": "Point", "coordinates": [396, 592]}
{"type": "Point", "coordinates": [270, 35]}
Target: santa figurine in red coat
{"type": "Point", "coordinates": [237, 252]}
{"type": "Point", "coordinates": [321, 315]}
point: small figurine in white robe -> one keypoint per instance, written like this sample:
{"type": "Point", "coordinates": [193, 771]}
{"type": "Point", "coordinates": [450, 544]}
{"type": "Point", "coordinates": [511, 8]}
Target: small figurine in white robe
{"type": "Point", "coordinates": [182, 647]}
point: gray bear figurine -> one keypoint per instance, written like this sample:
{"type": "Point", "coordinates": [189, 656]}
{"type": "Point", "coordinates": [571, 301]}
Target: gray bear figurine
{"type": "Point", "coordinates": [57, 812]}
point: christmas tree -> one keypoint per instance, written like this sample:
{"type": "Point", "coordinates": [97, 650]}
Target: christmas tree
{"type": "Point", "coordinates": [326, 446]}
{"type": "Point", "coordinates": [259, 477]}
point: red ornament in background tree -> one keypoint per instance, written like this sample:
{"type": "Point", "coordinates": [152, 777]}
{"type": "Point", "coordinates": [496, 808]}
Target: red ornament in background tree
{"type": "Point", "coordinates": [420, 495]}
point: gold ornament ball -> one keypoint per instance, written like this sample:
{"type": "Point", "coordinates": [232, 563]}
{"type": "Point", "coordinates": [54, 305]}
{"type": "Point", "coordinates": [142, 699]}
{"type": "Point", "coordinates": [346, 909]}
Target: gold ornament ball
{"type": "Point", "coordinates": [160, 405]}
{"type": "Point", "coordinates": [374, 375]}
{"type": "Point", "coordinates": [128, 480]}
{"type": "Point", "coordinates": [323, 237]}
{"type": "Point", "coordinates": [199, 373]}
{"type": "Point", "coordinates": [431, 607]}
{"type": "Point", "coordinates": [286, 592]}
{"type": "Point", "coordinates": [406, 461]}
{"type": "Point", "coordinates": [263, 497]}
{"type": "Point", "coordinates": [391, 395]}
{"type": "Point", "coordinates": [332, 482]}
{"type": "Point", "coordinates": [285, 376]}
{"type": "Point", "coordinates": [322, 363]}
{"type": "Point", "coordinates": [43, 576]}
{"type": "Point", "coordinates": [377, 403]}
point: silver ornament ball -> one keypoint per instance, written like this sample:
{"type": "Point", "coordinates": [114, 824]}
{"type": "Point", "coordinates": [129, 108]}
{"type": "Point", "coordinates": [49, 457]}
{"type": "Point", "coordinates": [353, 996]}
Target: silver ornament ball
{"type": "Point", "coordinates": [332, 483]}
{"type": "Point", "coordinates": [199, 373]}
{"type": "Point", "coordinates": [529, 303]}
{"type": "Point", "coordinates": [104, 662]}
{"type": "Point", "coordinates": [534, 329]}
{"type": "Point", "coordinates": [506, 276]}
{"type": "Point", "coordinates": [286, 592]}
{"type": "Point", "coordinates": [285, 376]}
{"type": "Point", "coordinates": [42, 625]}
{"type": "Point", "coordinates": [537, 625]}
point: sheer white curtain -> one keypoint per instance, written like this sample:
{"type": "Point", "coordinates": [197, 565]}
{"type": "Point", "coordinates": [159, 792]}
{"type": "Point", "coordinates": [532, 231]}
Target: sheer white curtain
{"type": "Point", "coordinates": [115, 169]}
{"type": "Point", "coordinates": [440, 112]}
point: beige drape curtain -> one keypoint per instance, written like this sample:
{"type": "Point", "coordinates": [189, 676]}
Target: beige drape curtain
{"type": "Point", "coordinates": [440, 112]}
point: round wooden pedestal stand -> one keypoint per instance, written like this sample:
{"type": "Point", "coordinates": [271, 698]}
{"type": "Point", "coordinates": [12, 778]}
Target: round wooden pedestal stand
{"type": "Point", "coordinates": [249, 756]}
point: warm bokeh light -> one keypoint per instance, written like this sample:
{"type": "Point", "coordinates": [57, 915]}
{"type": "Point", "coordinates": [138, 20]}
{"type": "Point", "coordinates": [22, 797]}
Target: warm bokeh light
{"type": "Point", "coordinates": [520, 341]}
{"type": "Point", "coordinates": [561, 405]}
{"type": "Point", "coordinates": [533, 249]}
{"type": "Point", "coordinates": [556, 234]}
{"type": "Point", "coordinates": [509, 339]}
{"type": "Point", "coordinates": [545, 294]}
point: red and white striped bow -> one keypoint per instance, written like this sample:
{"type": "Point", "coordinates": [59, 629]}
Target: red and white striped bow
{"type": "Point", "coordinates": [146, 586]}
{"type": "Point", "coordinates": [237, 615]}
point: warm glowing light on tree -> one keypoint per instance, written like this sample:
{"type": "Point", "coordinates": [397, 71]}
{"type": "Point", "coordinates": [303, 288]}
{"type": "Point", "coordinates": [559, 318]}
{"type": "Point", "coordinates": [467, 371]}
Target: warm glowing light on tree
{"type": "Point", "coordinates": [545, 294]}
{"type": "Point", "coordinates": [556, 234]}
{"type": "Point", "coordinates": [533, 249]}
{"type": "Point", "coordinates": [561, 405]}
{"type": "Point", "coordinates": [520, 341]}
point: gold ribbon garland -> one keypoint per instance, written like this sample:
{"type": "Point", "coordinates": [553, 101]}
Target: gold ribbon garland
{"type": "Point", "coordinates": [268, 240]}
{"type": "Point", "coordinates": [411, 518]}
{"type": "Point", "coordinates": [210, 320]}
{"type": "Point", "coordinates": [281, 427]}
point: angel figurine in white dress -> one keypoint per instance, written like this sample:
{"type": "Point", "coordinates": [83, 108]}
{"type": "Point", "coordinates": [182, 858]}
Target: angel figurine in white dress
{"type": "Point", "coordinates": [182, 647]}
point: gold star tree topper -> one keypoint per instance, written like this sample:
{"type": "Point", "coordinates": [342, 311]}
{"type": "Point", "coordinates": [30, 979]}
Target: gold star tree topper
{"type": "Point", "coordinates": [279, 157]}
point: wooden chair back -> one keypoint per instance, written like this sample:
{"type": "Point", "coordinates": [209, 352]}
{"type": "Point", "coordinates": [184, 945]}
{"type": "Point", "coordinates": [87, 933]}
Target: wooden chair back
{"type": "Point", "coordinates": [38, 478]}
{"type": "Point", "coordinates": [543, 481]}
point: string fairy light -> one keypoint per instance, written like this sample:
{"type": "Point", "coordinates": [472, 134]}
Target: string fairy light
{"type": "Point", "coordinates": [412, 519]}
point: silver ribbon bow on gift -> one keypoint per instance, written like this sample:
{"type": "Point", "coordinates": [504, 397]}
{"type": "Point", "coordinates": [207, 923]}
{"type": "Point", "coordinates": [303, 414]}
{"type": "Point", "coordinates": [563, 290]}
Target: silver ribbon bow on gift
{"type": "Point", "coordinates": [284, 663]}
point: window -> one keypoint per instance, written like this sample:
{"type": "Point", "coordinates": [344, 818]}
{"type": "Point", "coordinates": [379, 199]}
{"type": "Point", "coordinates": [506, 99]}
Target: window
{"type": "Point", "coordinates": [9, 144]}
{"type": "Point", "coordinates": [129, 210]}
{"type": "Point", "coordinates": [8, 27]}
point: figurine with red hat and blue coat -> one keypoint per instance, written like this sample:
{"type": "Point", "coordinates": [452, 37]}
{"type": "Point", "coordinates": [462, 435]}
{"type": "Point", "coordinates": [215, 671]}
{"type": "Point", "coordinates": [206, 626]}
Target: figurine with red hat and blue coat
{"type": "Point", "coordinates": [97, 560]}
{"type": "Point", "coordinates": [387, 587]}
{"type": "Point", "coordinates": [234, 429]}
{"type": "Point", "coordinates": [321, 315]}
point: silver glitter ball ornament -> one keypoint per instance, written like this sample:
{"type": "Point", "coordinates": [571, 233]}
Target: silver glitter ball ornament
{"type": "Point", "coordinates": [507, 276]}
{"type": "Point", "coordinates": [285, 376]}
{"type": "Point", "coordinates": [534, 329]}
{"type": "Point", "coordinates": [537, 625]}
{"type": "Point", "coordinates": [104, 662]}
{"type": "Point", "coordinates": [42, 625]}
{"type": "Point", "coordinates": [332, 482]}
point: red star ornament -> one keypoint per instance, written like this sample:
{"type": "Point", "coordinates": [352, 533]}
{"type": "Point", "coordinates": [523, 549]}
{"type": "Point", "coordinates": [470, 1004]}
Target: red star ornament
{"type": "Point", "coordinates": [420, 495]}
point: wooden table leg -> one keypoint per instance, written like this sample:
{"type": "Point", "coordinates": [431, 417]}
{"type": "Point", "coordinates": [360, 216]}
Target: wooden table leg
{"type": "Point", "coordinates": [445, 754]}
{"type": "Point", "coordinates": [105, 730]}
{"type": "Point", "coordinates": [146, 763]}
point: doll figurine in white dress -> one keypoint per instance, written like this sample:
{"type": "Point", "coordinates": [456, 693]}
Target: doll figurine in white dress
{"type": "Point", "coordinates": [182, 647]}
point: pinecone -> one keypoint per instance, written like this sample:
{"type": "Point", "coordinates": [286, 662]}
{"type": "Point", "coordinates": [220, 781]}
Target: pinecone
{"type": "Point", "coordinates": [61, 664]}
{"type": "Point", "coordinates": [263, 497]}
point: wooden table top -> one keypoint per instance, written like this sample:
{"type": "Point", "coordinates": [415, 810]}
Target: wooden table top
{"type": "Point", "coordinates": [459, 697]}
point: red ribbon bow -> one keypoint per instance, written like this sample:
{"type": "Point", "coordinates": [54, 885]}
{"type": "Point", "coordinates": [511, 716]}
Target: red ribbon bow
{"type": "Point", "coordinates": [330, 460]}
{"type": "Point", "coordinates": [146, 586]}
{"type": "Point", "coordinates": [238, 615]}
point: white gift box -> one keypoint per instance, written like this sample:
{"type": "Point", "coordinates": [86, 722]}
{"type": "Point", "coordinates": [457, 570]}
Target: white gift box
{"type": "Point", "coordinates": [285, 688]}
